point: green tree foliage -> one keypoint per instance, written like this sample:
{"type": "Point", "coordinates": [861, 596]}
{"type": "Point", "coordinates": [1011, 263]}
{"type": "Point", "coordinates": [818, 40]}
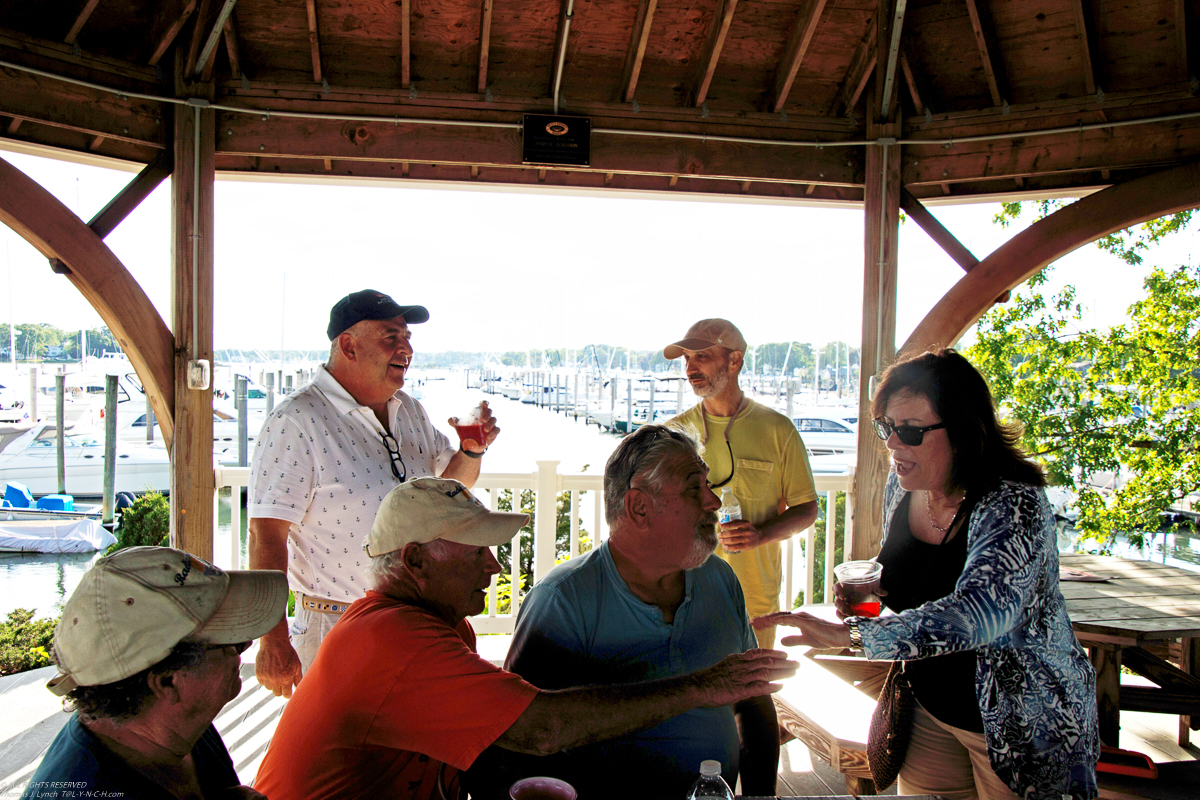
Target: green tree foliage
{"type": "Point", "coordinates": [819, 546]}
{"type": "Point", "coordinates": [144, 524]}
{"type": "Point", "coordinates": [562, 543]}
{"type": "Point", "coordinates": [1094, 403]}
{"type": "Point", "coordinates": [25, 642]}
{"type": "Point", "coordinates": [1127, 245]}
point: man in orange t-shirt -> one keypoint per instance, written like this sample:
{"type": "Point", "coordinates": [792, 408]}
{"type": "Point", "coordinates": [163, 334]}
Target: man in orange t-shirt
{"type": "Point", "coordinates": [397, 702]}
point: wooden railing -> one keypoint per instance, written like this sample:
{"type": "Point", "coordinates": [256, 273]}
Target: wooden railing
{"type": "Point", "coordinates": [586, 498]}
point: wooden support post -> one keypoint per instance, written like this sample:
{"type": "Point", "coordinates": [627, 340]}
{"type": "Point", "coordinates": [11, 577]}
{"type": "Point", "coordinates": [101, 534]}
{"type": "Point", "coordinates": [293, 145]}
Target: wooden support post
{"type": "Point", "coordinates": [1189, 662]}
{"type": "Point", "coordinates": [881, 209]}
{"type": "Point", "coordinates": [1106, 658]}
{"type": "Point", "coordinates": [192, 480]}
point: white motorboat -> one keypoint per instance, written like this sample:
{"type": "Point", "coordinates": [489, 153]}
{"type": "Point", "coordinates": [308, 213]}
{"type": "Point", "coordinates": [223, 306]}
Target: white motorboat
{"type": "Point", "coordinates": [32, 459]}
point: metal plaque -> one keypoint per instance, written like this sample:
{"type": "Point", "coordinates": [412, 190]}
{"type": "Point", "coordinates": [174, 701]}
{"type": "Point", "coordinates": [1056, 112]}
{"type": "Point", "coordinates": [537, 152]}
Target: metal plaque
{"type": "Point", "coordinates": [557, 140]}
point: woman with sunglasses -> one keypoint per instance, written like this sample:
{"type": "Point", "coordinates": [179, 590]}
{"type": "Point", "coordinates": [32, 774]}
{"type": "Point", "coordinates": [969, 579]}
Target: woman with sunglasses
{"type": "Point", "coordinates": [1006, 697]}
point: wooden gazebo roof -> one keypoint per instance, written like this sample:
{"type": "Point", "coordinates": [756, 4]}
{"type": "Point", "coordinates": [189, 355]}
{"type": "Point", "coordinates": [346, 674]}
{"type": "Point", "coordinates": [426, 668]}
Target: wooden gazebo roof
{"type": "Point", "coordinates": [767, 71]}
{"type": "Point", "coordinates": [886, 103]}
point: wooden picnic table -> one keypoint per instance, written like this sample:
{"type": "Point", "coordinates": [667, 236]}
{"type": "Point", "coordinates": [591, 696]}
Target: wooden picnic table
{"type": "Point", "coordinates": [1140, 604]}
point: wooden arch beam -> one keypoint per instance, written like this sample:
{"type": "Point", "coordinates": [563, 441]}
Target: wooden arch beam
{"type": "Point", "coordinates": [1067, 229]}
{"type": "Point", "coordinates": [40, 219]}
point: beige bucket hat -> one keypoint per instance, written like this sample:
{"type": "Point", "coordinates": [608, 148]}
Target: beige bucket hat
{"type": "Point", "coordinates": [133, 607]}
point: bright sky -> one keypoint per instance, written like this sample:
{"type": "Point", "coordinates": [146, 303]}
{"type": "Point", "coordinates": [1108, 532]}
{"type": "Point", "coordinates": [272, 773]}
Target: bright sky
{"type": "Point", "coordinates": [501, 271]}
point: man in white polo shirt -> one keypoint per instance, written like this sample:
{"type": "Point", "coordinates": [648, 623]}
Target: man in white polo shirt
{"type": "Point", "coordinates": [325, 459]}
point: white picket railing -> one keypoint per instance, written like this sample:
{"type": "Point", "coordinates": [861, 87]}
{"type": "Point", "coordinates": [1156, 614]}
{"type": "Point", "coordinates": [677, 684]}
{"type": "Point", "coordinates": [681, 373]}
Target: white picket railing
{"type": "Point", "coordinates": [547, 482]}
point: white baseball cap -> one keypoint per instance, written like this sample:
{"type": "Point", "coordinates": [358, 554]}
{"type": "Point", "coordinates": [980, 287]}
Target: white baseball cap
{"type": "Point", "coordinates": [133, 607]}
{"type": "Point", "coordinates": [425, 509]}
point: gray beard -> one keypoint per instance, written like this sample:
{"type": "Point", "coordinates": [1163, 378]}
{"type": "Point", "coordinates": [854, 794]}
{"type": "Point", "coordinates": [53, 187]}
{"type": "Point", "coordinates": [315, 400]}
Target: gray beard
{"type": "Point", "coordinates": [703, 545]}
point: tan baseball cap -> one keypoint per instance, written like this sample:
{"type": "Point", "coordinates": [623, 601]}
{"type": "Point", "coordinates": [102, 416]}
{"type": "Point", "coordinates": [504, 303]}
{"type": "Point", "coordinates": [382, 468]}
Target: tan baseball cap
{"type": "Point", "coordinates": [425, 509]}
{"type": "Point", "coordinates": [705, 334]}
{"type": "Point", "coordinates": [133, 607]}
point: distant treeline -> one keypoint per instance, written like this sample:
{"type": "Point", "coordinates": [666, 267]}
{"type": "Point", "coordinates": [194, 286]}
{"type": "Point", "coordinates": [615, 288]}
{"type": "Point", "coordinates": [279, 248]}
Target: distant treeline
{"type": "Point", "coordinates": [36, 340]}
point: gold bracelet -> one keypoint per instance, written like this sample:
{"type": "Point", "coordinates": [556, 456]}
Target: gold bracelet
{"type": "Point", "coordinates": [856, 642]}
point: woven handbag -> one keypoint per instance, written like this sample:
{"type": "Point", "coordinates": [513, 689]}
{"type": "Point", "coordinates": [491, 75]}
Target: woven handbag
{"type": "Point", "coordinates": [891, 728]}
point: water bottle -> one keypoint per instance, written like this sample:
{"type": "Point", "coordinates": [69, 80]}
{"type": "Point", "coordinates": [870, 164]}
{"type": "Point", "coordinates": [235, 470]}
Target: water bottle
{"type": "Point", "coordinates": [710, 785]}
{"type": "Point", "coordinates": [731, 509]}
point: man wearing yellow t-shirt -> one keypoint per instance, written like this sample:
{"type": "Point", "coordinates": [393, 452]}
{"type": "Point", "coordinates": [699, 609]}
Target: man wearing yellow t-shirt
{"type": "Point", "coordinates": [755, 451]}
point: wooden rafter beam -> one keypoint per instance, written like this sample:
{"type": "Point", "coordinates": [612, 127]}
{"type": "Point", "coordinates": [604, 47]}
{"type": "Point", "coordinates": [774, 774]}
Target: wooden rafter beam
{"type": "Point", "coordinates": [197, 40]}
{"type": "Point", "coordinates": [231, 48]}
{"type": "Point", "coordinates": [718, 27]}
{"type": "Point", "coordinates": [405, 43]}
{"type": "Point", "coordinates": [171, 22]}
{"type": "Point", "coordinates": [208, 52]}
{"type": "Point", "coordinates": [862, 65]}
{"type": "Point", "coordinates": [937, 231]}
{"type": "Point", "coordinates": [133, 194]}
{"type": "Point", "coordinates": [638, 39]}
{"type": "Point", "coordinates": [989, 53]}
{"type": "Point", "coordinates": [80, 21]}
{"type": "Point", "coordinates": [912, 81]}
{"type": "Point", "coordinates": [1087, 45]}
{"type": "Point", "coordinates": [808, 17]}
{"type": "Point", "coordinates": [314, 38]}
{"type": "Point", "coordinates": [891, 40]}
{"type": "Point", "coordinates": [485, 44]}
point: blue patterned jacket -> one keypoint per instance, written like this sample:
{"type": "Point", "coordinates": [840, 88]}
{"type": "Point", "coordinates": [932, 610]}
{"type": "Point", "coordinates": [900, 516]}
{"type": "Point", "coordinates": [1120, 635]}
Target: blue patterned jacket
{"type": "Point", "coordinates": [1036, 687]}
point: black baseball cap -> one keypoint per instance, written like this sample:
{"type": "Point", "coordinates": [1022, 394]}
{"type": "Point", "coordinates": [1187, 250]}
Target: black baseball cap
{"type": "Point", "coordinates": [369, 304]}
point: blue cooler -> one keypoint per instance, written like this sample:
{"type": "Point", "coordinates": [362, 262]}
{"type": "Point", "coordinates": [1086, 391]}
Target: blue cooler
{"type": "Point", "coordinates": [56, 502]}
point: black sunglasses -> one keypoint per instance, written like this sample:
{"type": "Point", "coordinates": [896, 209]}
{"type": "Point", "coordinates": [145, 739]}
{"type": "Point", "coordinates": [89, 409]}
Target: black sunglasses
{"type": "Point", "coordinates": [910, 435]}
{"type": "Point", "coordinates": [241, 647]}
{"type": "Point", "coordinates": [393, 448]}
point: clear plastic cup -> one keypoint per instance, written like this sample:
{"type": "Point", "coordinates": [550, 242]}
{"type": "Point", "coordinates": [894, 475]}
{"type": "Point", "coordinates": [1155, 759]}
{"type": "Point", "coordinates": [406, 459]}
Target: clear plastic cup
{"type": "Point", "coordinates": [860, 585]}
{"type": "Point", "coordinates": [541, 789]}
{"type": "Point", "coordinates": [470, 426]}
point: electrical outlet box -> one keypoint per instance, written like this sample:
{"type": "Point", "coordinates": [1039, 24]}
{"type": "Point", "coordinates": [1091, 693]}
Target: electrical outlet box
{"type": "Point", "coordinates": [199, 374]}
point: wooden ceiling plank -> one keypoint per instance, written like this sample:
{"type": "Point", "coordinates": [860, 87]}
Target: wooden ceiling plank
{"type": "Point", "coordinates": [895, 28]}
{"type": "Point", "coordinates": [808, 17]}
{"type": "Point", "coordinates": [172, 30]}
{"type": "Point", "coordinates": [718, 28]}
{"type": "Point", "coordinates": [1187, 40]}
{"type": "Point", "coordinates": [1087, 44]}
{"type": "Point", "coordinates": [485, 43]}
{"type": "Point", "coordinates": [198, 32]}
{"type": "Point", "coordinates": [989, 53]}
{"type": "Point", "coordinates": [80, 21]}
{"type": "Point", "coordinates": [937, 231]}
{"type": "Point", "coordinates": [314, 39]}
{"type": "Point", "coordinates": [129, 198]}
{"type": "Point", "coordinates": [636, 52]}
{"type": "Point", "coordinates": [232, 50]}
{"type": "Point", "coordinates": [405, 43]}
{"type": "Point", "coordinates": [910, 79]}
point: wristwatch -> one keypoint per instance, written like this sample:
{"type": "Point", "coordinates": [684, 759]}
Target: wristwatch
{"type": "Point", "coordinates": [856, 642]}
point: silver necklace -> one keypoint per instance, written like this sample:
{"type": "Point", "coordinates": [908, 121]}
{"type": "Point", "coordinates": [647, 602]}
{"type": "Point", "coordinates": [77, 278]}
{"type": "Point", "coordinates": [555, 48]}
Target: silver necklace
{"type": "Point", "coordinates": [929, 510]}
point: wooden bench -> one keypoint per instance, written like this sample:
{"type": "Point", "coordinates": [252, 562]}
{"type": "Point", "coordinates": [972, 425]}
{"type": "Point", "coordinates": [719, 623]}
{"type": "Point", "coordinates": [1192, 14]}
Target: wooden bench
{"type": "Point", "coordinates": [829, 715]}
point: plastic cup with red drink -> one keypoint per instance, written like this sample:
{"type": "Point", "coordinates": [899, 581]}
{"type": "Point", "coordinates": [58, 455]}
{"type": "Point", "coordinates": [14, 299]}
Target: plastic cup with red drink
{"type": "Point", "coordinates": [471, 426]}
{"type": "Point", "coordinates": [860, 586]}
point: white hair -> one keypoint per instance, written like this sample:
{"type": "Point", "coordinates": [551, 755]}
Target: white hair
{"type": "Point", "coordinates": [382, 568]}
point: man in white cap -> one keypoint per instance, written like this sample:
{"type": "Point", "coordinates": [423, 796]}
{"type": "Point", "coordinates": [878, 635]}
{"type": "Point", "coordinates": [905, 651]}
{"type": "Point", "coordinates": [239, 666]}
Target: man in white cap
{"type": "Point", "coordinates": [755, 451]}
{"type": "Point", "coordinates": [149, 650]}
{"type": "Point", "coordinates": [398, 702]}
{"type": "Point", "coordinates": [325, 458]}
